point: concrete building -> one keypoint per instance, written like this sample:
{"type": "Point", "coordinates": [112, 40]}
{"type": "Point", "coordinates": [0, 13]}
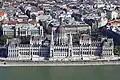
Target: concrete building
{"type": "Point", "coordinates": [8, 29]}
{"type": "Point", "coordinates": [68, 22]}
{"type": "Point", "coordinates": [21, 29]}
{"type": "Point", "coordinates": [74, 28]}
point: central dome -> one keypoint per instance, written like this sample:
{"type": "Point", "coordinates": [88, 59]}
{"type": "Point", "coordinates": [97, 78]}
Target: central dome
{"type": "Point", "coordinates": [61, 37]}
{"type": "Point", "coordinates": [60, 30]}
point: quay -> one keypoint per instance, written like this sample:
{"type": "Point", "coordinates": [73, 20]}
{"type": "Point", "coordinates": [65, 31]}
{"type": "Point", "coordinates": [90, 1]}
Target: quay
{"type": "Point", "coordinates": [49, 63]}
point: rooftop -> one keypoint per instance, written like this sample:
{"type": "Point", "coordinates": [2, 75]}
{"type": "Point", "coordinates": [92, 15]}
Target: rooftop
{"type": "Point", "coordinates": [2, 13]}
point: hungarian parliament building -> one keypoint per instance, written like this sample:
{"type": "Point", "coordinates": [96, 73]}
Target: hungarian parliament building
{"type": "Point", "coordinates": [60, 46]}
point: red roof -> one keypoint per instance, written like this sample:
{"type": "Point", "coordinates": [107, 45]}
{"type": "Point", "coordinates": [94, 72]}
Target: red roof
{"type": "Point", "coordinates": [2, 13]}
{"type": "Point", "coordinates": [114, 23]}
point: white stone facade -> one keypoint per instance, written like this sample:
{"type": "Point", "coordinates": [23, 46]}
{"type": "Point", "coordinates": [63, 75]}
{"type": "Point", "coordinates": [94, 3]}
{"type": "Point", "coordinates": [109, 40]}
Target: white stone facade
{"type": "Point", "coordinates": [27, 52]}
{"type": "Point", "coordinates": [62, 47]}
{"type": "Point", "coordinates": [23, 29]}
{"type": "Point", "coordinates": [33, 51]}
{"type": "Point", "coordinates": [85, 50]}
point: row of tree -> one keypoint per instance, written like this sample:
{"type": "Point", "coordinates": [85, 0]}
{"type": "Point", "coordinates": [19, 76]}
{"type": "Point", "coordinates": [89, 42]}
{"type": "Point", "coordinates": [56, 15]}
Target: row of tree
{"type": "Point", "coordinates": [3, 38]}
{"type": "Point", "coordinates": [117, 50]}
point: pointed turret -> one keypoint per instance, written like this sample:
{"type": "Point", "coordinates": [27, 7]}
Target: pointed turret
{"type": "Point", "coordinates": [70, 39]}
{"type": "Point", "coordinates": [52, 45]}
{"type": "Point", "coordinates": [70, 45]}
{"type": "Point", "coordinates": [52, 40]}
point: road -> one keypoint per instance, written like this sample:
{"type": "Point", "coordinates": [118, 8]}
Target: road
{"type": "Point", "coordinates": [49, 63]}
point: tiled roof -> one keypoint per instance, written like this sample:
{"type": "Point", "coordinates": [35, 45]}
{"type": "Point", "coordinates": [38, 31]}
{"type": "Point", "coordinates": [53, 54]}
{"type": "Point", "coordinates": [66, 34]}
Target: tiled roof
{"type": "Point", "coordinates": [2, 13]}
{"type": "Point", "coordinates": [114, 23]}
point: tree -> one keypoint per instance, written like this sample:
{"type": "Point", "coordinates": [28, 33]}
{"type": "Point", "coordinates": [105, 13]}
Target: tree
{"type": "Point", "coordinates": [117, 50]}
{"type": "Point", "coordinates": [3, 39]}
{"type": "Point", "coordinates": [1, 30]}
{"type": "Point", "coordinates": [109, 17]}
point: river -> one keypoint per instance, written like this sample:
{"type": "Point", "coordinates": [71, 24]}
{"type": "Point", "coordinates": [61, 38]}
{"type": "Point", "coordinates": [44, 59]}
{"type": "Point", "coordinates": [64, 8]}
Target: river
{"type": "Point", "coordinates": [60, 73]}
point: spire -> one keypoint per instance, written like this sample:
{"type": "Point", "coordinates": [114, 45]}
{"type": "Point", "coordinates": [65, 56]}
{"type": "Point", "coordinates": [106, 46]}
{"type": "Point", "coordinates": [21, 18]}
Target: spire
{"type": "Point", "coordinates": [52, 40]}
{"type": "Point", "coordinates": [52, 45]}
{"type": "Point", "coordinates": [70, 45]}
{"type": "Point", "coordinates": [70, 38]}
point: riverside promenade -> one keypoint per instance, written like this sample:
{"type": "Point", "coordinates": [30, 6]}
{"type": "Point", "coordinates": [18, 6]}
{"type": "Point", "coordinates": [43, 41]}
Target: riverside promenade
{"type": "Point", "coordinates": [89, 63]}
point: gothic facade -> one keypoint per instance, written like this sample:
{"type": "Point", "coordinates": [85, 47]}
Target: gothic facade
{"type": "Point", "coordinates": [63, 48]}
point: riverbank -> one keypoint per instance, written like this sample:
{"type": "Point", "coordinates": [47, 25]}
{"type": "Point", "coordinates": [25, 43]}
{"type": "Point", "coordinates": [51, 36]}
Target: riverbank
{"type": "Point", "coordinates": [8, 64]}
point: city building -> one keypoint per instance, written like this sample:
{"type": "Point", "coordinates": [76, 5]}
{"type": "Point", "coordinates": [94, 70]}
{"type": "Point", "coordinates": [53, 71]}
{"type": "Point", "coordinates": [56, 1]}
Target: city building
{"type": "Point", "coordinates": [14, 29]}
{"type": "Point", "coordinates": [58, 30]}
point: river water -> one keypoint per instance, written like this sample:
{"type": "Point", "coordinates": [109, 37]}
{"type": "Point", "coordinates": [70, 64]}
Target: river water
{"type": "Point", "coordinates": [60, 73]}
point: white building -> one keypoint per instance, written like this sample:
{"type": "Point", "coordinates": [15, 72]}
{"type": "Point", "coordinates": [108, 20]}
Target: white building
{"type": "Point", "coordinates": [22, 29]}
{"type": "Point", "coordinates": [69, 24]}
{"type": "Point", "coordinates": [33, 51]}
{"type": "Point", "coordinates": [102, 22]}
{"type": "Point", "coordinates": [114, 15]}
{"type": "Point", "coordinates": [62, 47]}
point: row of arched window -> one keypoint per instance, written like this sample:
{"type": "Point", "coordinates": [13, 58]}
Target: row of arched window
{"type": "Point", "coordinates": [61, 50]}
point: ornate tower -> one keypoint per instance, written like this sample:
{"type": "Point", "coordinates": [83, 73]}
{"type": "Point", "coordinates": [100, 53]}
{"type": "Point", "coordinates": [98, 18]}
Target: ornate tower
{"type": "Point", "coordinates": [61, 37]}
{"type": "Point", "coordinates": [70, 45]}
{"type": "Point", "coordinates": [52, 45]}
